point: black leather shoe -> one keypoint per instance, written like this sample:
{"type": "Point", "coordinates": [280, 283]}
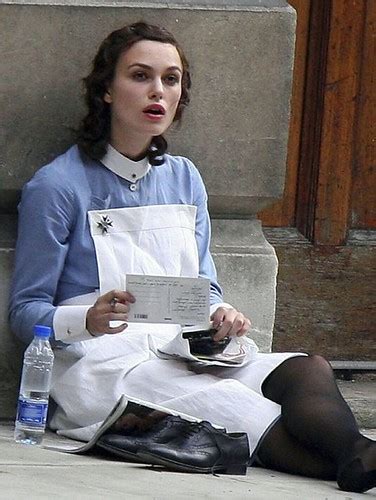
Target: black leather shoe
{"type": "Point", "coordinates": [200, 448]}
{"type": "Point", "coordinates": [126, 445]}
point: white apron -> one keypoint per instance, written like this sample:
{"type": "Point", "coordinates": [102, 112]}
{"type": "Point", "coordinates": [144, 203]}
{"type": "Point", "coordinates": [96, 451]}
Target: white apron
{"type": "Point", "coordinates": [89, 376]}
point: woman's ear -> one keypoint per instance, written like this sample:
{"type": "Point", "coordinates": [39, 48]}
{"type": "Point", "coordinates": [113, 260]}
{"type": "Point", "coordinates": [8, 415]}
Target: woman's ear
{"type": "Point", "coordinates": [107, 97]}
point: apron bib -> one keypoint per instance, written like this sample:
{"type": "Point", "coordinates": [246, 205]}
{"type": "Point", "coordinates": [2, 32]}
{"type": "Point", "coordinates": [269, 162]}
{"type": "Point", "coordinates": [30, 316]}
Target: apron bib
{"type": "Point", "coordinates": [155, 240]}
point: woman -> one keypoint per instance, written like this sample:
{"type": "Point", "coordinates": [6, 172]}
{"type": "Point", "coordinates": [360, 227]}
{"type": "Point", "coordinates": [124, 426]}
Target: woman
{"type": "Point", "coordinates": [116, 203]}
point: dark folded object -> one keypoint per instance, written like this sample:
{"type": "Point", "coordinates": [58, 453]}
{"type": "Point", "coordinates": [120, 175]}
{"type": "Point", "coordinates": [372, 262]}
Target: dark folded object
{"type": "Point", "coordinates": [201, 342]}
{"type": "Point", "coordinates": [201, 448]}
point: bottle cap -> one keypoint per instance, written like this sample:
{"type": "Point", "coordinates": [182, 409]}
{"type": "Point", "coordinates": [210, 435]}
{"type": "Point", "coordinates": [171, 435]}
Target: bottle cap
{"type": "Point", "coordinates": [42, 331]}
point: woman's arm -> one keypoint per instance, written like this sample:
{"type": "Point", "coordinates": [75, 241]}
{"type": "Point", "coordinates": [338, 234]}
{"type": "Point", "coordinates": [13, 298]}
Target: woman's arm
{"type": "Point", "coordinates": [45, 219]}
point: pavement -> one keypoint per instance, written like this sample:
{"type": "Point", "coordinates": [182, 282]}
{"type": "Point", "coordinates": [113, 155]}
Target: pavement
{"type": "Point", "coordinates": [31, 472]}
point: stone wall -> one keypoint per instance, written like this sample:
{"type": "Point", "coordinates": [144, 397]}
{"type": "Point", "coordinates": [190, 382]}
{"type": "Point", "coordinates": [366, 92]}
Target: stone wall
{"type": "Point", "coordinates": [235, 130]}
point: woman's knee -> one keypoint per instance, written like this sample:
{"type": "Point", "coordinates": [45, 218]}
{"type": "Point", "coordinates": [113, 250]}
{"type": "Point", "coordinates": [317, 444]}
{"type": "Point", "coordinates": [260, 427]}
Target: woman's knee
{"type": "Point", "coordinates": [312, 363]}
{"type": "Point", "coordinates": [319, 364]}
{"type": "Point", "coordinates": [300, 371]}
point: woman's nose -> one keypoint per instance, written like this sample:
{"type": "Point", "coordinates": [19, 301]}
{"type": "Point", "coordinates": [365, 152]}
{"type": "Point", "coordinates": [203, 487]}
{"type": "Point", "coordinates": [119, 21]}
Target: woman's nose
{"type": "Point", "coordinates": [156, 90]}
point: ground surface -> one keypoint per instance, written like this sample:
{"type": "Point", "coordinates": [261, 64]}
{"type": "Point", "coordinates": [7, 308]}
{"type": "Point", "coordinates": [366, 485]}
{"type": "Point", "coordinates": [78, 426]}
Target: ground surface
{"type": "Point", "coordinates": [35, 473]}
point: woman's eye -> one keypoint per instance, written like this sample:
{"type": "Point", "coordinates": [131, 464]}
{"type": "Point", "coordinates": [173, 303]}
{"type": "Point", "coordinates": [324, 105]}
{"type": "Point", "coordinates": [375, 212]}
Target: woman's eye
{"type": "Point", "coordinates": [139, 76]}
{"type": "Point", "coordinates": [172, 79]}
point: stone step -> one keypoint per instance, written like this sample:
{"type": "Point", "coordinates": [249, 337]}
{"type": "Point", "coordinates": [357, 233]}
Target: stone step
{"type": "Point", "coordinates": [361, 397]}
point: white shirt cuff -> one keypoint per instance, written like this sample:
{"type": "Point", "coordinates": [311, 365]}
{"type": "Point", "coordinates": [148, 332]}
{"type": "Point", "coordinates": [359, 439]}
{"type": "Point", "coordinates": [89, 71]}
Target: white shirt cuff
{"type": "Point", "coordinates": [69, 323]}
{"type": "Point", "coordinates": [214, 307]}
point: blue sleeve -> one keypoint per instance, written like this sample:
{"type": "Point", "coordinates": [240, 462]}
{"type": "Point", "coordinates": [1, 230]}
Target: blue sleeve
{"type": "Point", "coordinates": [203, 236]}
{"type": "Point", "coordinates": [45, 216]}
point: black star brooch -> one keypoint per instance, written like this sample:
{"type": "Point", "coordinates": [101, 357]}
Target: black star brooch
{"type": "Point", "coordinates": [104, 224]}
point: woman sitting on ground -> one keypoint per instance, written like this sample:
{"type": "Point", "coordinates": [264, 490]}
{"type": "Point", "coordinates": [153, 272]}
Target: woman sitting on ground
{"type": "Point", "coordinates": [117, 203]}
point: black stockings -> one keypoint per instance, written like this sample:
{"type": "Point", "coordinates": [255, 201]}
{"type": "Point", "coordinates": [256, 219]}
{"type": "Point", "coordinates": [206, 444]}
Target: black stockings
{"type": "Point", "coordinates": [317, 435]}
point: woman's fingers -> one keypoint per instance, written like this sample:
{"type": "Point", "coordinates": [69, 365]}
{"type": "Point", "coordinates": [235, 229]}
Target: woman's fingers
{"type": "Point", "coordinates": [229, 322]}
{"type": "Point", "coordinates": [227, 327]}
{"type": "Point", "coordinates": [117, 329]}
{"type": "Point", "coordinates": [119, 307]}
{"type": "Point", "coordinates": [245, 327]}
{"type": "Point", "coordinates": [98, 324]}
{"type": "Point", "coordinates": [115, 317]}
{"type": "Point", "coordinates": [111, 306]}
{"type": "Point", "coordinates": [115, 296]}
{"type": "Point", "coordinates": [218, 317]}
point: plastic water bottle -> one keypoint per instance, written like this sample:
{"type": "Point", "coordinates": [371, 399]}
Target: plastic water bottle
{"type": "Point", "coordinates": [35, 387]}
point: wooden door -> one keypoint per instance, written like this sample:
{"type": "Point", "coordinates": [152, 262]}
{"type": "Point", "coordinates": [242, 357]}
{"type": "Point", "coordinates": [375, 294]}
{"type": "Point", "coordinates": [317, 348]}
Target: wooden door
{"type": "Point", "coordinates": [324, 227]}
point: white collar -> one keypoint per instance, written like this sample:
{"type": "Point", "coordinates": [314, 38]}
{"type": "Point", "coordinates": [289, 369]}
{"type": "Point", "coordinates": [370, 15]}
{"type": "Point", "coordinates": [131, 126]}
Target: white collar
{"type": "Point", "coordinates": [128, 169]}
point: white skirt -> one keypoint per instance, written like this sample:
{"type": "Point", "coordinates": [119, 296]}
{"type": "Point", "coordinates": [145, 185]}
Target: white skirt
{"type": "Point", "coordinates": [89, 379]}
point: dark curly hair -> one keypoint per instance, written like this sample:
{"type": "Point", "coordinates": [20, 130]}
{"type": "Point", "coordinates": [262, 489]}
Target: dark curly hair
{"type": "Point", "coordinates": [93, 133]}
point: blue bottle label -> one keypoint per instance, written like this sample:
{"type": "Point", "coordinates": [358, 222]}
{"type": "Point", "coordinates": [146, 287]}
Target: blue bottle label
{"type": "Point", "coordinates": [33, 413]}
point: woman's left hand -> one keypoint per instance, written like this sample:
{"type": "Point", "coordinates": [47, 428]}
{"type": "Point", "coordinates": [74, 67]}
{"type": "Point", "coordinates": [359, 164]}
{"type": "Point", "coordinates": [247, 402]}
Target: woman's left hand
{"type": "Point", "coordinates": [230, 323]}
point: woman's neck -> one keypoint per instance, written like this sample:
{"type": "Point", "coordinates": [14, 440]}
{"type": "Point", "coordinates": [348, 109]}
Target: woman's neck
{"type": "Point", "coordinates": [133, 147]}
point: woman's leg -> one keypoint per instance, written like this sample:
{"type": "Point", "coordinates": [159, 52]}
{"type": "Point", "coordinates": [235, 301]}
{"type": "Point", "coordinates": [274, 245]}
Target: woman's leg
{"type": "Point", "coordinates": [316, 415]}
{"type": "Point", "coordinates": [281, 451]}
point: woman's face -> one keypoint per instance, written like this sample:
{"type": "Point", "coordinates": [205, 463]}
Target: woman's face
{"type": "Point", "coordinates": [145, 91]}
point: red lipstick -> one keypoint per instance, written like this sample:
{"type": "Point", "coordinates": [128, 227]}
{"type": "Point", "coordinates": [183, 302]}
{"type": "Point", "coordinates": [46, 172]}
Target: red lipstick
{"type": "Point", "coordinates": [154, 112]}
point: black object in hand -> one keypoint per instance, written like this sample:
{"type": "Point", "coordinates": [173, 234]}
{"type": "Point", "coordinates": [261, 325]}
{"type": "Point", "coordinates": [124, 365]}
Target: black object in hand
{"type": "Point", "coordinates": [201, 342]}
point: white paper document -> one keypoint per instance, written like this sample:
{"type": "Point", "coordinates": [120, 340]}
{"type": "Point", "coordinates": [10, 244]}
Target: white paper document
{"type": "Point", "coordinates": [237, 353]}
{"type": "Point", "coordinates": [166, 299]}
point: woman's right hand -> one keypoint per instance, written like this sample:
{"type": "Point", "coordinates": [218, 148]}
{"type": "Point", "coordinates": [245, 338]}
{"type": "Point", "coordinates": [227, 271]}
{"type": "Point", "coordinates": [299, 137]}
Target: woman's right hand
{"type": "Point", "coordinates": [112, 306]}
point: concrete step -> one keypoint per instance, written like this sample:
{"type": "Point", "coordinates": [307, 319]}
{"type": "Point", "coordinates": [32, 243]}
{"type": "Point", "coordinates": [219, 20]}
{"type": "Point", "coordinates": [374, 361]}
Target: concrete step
{"type": "Point", "coordinates": [360, 394]}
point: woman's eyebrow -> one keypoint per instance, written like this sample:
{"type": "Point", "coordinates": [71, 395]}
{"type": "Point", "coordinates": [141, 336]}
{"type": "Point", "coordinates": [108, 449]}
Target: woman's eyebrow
{"type": "Point", "coordinates": [146, 66]}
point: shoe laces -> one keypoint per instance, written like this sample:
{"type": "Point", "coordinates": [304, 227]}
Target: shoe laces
{"type": "Point", "coordinates": [191, 429]}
